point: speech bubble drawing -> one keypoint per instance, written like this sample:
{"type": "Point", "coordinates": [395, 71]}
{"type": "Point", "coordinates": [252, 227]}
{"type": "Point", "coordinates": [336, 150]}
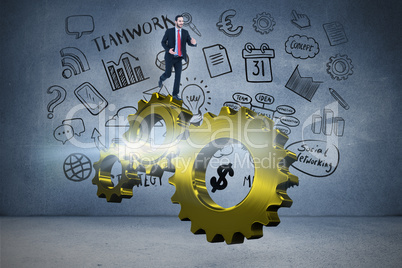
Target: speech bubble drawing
{"type": "Point", "coordinates": [264, 98]}
{"type": "Point", "coordinates": [283, 129]}
{"type": "Point", "coordinates": [77, 124]}
{"type": "Point", "coordinates": [79, 24]}
{"type": "Point", "coordinates": [290, 121]}
{"type": "Point", "coordinates": [315, 158]}
{"type": "Point", "coordinates": [232, 105]}
{"type": "Point", "coordinates": [302, 47]}
{"type": "Point", "coordinates": [63, 133]}
{"type": "Point", "coordinates": [263, 111]}
{"type": "Point", "coordinates": [242, 98]}
{"type": "Point", "coordinates": [285, 109]}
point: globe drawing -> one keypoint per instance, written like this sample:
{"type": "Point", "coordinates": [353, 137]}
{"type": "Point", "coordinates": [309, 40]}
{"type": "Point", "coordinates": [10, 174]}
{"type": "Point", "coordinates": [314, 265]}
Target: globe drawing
{"type": "Point", "coordinates": [77, 167]}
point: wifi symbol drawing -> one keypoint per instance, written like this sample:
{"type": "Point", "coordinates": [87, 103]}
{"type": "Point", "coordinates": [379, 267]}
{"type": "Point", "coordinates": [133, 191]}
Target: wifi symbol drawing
{"type": "Point", "coordinates": [74, 61]}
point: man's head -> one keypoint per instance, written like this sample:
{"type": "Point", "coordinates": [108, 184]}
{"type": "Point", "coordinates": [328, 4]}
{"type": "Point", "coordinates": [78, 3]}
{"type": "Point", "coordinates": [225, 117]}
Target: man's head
{"type": "Point", "coordinates": [178, 21]}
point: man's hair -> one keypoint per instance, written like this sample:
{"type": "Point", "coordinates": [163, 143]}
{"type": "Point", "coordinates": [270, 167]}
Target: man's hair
{"type": "Point", "coordinates": [177, 17]}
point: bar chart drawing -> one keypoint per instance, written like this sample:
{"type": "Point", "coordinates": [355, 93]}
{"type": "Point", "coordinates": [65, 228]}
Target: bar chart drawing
{"type": "Point", "coordinates": [122, 73]}
{"type": "Point", "coordinates": [327, 123]}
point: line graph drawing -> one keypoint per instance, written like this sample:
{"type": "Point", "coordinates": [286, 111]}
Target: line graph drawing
{"type": "Point", "coordinates": [122, 73]}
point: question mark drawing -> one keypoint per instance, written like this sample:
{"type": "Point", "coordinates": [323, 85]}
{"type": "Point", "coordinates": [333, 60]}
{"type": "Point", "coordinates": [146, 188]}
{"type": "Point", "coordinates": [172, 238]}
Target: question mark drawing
{"type": "Point", "coordinates": [61, 96]}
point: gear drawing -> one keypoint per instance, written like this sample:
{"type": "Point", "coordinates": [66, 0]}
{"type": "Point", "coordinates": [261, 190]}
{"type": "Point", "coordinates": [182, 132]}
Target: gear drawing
{"type": "Point", "coordinates": [144, 154]}
{"type": "Point", "coordinates": [267, 194]}
{"type": "Point", "coordinates": [103, 177]}
{"type": "Point", "coordinates": [264, 23]}
{"type": "Point", "coordinates": [340, 67]}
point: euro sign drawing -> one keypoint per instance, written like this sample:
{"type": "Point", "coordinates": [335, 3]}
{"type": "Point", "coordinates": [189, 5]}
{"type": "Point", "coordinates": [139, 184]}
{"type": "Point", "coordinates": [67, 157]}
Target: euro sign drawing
{"type": "Point", "coordinates": [225, 24]}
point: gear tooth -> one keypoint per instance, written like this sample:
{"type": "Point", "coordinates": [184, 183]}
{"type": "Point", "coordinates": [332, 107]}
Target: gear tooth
{"type": "Point", "coordinates": [174, 198]}
{"type": "Point", "coordinates": [280, 139]}
{"type": "Point", "coordinates": [293, 180]}
{"type": "Point", "coordinates": [131, 117]}
{"type": "Point", "coordinates": [236, 238]}
{"type": "Point", "coordinates": [183, 216]}
{"type": "Point", "coordinates": [247, 112]}
{"type": "Point", "coordinates": [195, 229]}
{"type": "Point", "coordinates": [209, 116]}
{"type": "Point", "coordinates": [141, 104]}
{"type": "Point", "coordinates": [227, 111]}
{"type": "Point", "coordinates": [288, 160]}
{"type": "Point", "coordinates": [177, 102]}
{"type": "Point", "coordinates": [272, 215]}
{"type": "Point", "coordinates": [155, 97]}
{"type": "Point", "coordinates": [256, 228]}
{"type": "Point", "coordinates": [114, 198]}
{"type": "Point", "coordinates": [171, 180]}
{"type": "Point", "coordinates": [213, 238]}
{"type": "Point", "coordinates": [286, 200]}
{"type": "Point", "coordinates": [281, 189]}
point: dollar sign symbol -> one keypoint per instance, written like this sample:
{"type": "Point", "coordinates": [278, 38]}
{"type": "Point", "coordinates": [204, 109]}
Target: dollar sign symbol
{"type": "Point", "coordinates": [225, 24]}
{"type": "Point", "coordinates": [221, 183]}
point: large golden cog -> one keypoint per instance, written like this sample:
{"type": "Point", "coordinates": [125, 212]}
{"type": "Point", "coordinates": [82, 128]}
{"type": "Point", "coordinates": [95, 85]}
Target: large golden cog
{"type": "Point", "coordinates": [103, 177]}
{"type": "Point", "coordinates": [267, 194]}
{"type": "Point", "coordinates": [143, 154]}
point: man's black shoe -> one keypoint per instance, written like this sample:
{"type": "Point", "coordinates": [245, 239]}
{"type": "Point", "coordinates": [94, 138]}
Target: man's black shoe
{"type": "Point", "coordinates": [176, 97]}
{"type": "Point", "coordinates": [160, 83]}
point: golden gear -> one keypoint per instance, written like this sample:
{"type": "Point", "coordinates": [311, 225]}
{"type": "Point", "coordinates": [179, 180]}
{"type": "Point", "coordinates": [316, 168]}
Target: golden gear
{"type": "Point", "coordinates": [151, 157]}
{"type": "Point", "coordinates": [103, 177]}
{"type": "Point", "coordinates": [267, 194]}
{"type": "Point", "coordinates": [138, 153]}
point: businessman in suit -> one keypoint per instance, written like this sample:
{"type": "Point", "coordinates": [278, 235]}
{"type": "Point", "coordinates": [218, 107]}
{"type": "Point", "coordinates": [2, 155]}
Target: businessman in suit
{"type": "Point", "coordinates": [174, 42]}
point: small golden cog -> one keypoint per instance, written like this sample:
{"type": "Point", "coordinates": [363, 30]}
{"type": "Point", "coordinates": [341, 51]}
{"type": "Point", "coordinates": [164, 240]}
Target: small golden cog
{"type": "Point", "coordinates": [267, 194]}
{"type": "Point", "coordinates": [103, 175]}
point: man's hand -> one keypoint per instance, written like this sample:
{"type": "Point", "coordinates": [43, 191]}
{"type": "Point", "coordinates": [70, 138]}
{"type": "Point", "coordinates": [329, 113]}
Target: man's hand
{"type": "Point", "coordinates": [171, 51]}
{"type": "Point", "coordinates": [193, 42]}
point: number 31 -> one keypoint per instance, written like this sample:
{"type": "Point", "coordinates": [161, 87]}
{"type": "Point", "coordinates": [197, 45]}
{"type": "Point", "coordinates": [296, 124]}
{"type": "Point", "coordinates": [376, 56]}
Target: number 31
{"type": "Point", "coordinates": [258, 68]}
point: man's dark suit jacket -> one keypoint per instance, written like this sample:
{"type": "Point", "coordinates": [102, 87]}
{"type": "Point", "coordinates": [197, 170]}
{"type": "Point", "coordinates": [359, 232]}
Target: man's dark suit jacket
{"type": "Point", "coordinates": [169, 41]}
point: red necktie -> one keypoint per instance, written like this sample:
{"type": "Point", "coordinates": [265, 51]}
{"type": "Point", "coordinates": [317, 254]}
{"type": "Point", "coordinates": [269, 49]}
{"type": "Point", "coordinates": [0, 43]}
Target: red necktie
{"type": "Point", "coordinates": [178, 43]}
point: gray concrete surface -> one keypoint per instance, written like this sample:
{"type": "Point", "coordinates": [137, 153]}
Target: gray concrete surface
{"type": "Point", "coordinates": [168, 242]}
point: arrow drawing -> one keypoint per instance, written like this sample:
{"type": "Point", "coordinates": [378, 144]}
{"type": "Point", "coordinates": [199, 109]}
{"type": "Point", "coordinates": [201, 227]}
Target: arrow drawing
{"type": "Point", "coordinates": [95, 136]}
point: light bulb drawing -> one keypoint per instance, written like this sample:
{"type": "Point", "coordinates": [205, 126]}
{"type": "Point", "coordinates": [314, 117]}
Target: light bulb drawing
{"type": "Point", "coordinates": [193, 96]}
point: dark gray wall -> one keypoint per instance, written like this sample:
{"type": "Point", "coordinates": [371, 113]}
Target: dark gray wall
{"type": "Point", "coordinates": [367, 178]}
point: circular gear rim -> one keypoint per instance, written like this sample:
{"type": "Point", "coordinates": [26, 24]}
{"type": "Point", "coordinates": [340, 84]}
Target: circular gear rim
{"type": "Point", "coordinates": [267, 18]}
{"type": "Point", "coordinates": [257, 208]}
{"type": "Point", "coordinates": [332, 70]}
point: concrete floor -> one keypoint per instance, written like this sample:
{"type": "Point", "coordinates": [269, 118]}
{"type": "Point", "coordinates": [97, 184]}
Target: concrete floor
{"type": "Point", "coordinates": [168, 242]}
